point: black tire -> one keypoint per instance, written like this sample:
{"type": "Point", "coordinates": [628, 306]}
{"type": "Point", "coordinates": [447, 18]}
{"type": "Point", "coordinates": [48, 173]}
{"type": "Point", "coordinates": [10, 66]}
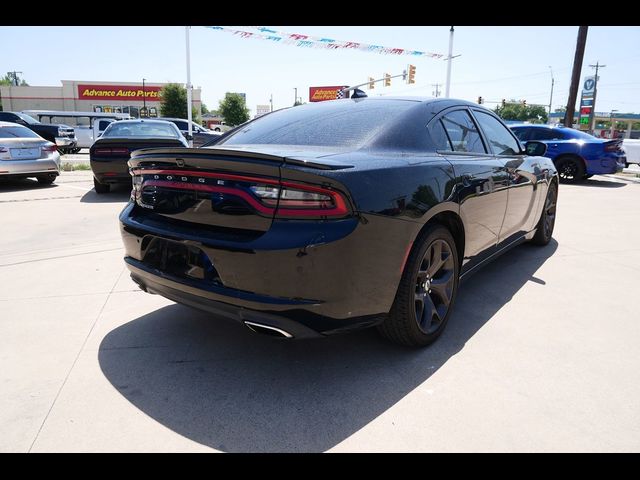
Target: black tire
{"type": "Point", "coordinates": [100, 187]}
{"type": "Point", "coordinates": [544, 228]}
{"type": "Point", "coordinates": [46, 179]}
{"type": "Point", "coordinates": [217, 129]}
{"type": "Point", "coordinates": [570, 169]}
{"type": "Point", "coordinates": [407, 323]}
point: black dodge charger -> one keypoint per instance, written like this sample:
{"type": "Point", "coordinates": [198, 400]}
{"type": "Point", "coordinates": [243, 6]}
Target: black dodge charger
{"type": "Point", "coordinates": [340, 215]}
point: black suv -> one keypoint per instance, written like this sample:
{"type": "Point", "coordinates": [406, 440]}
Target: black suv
{"type": "Point", "coordinates": [62, 135]}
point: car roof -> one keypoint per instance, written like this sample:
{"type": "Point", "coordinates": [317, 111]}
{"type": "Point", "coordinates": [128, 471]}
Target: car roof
{"type": "Point", "coordinates": [10, 124]}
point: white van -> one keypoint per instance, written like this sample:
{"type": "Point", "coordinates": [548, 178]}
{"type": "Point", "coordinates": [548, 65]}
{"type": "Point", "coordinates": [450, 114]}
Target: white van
{"type": "Point", "coordinates": [88, 126]}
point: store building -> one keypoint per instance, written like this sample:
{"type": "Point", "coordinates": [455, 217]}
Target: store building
{"type": "Point", "coordinates": [83, 96]}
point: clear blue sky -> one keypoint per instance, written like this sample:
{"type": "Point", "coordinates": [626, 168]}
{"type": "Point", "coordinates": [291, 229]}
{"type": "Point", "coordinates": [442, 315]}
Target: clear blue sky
{"type": "Point", "coordinates": [495, 62]}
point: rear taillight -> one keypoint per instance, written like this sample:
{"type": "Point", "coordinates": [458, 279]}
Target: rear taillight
{"type": "Point", "coordinates": [297, 200]}
{"type": "Point", "coordinates": [266, 196]}
{"type": "Point", "coordinates": [611, 147]}
{"type": "Point", "coordinates": [111, 151]}
{"type": "Point", "coordinates": [49, 148]}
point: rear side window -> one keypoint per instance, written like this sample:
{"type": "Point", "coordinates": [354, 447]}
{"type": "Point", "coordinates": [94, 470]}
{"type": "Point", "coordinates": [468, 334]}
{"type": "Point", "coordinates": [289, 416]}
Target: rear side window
{"type": "Point", "coordinates": [439, 136]}
{"type": "Point", "coordinates": [500, 139]}
{"type": "Point", "coordinates": [462, 132]}
{"type": "Point", "coordinates": [181, 125]}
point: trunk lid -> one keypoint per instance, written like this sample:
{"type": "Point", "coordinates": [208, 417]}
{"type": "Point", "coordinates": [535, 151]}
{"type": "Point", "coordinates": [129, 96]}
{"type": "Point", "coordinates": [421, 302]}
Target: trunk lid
{"type": "Point", "coordinates": [230, 189]}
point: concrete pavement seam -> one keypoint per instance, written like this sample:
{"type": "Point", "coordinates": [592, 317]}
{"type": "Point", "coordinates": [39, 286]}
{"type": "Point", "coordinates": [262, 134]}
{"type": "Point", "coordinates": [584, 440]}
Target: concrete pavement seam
{"type": "Point", "coordinates": [75, 360]}
{"type": "Point", "coordinates": [59, 256]}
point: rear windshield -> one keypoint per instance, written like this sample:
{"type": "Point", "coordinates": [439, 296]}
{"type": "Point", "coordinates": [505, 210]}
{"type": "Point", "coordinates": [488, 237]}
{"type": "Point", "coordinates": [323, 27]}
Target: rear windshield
{"type": "Point", "coordinates": [141, 129]}
{"type": "Point", "coordinates": [17, 132]}
{"type": "Point", "coordinates": [342, 123]}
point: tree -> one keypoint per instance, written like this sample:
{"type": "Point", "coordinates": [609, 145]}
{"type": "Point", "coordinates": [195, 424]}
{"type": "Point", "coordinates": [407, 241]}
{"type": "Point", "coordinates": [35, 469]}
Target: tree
{"type": "Point", "coordinates": [174, 102]}
{"type": "Point", "coordinates": [518, 111]}
{"type": "Point", "coordinates": [8, 80]}
{"type": "Point", "coordinates": [233, 109]}
{"type": "Point", "coordinates": [203, 109]}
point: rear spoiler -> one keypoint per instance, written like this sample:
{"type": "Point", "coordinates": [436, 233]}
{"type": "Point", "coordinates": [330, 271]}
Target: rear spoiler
{"type": "Point", "coordinates": [198, 157]}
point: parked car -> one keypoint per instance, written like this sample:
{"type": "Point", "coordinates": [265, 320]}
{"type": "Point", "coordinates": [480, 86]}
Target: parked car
{"type": "Point", "coordinates": [87, 125]}
{"type": "Point", "coordinates": [62, 136]}
{"type": "Point", "coordinates": [337, 215]}
{"type": "Point", "coordinates": [109, 154]}
{"type": "Point", "coordinates": [200, 134]}
{"type": "Point", "coordinates": [576, 155]}
{"type": "Point", "coordinates": [631, 148]}
{"type": "Point", "coordinates": [24, 153]}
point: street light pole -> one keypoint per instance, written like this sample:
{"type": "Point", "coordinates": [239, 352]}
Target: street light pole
{"type": "Point", "coordinates": [189, 116]}
{"type": "Point", "coordinates": [144, 97]}
{"type": "Point", "coordinates": [296, 96]}
{"type": "Point", "coordinates": [448, 85]}
{"type": "Point", "coordinates": [551, 96]}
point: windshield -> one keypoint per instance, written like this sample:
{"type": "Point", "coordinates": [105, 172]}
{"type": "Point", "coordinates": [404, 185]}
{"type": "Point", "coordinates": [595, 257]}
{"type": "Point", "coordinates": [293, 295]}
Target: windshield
{"type": "Point", "coordinates": [17, 132]}
{"type": "Point", "coordinates": [142, 129]}
{"type": "Point", "coordinates": [343, 123]}
{"type": "Point", "coordinates": [28, 119]}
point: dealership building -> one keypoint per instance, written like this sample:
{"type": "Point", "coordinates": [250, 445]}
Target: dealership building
{"type": "Point", "coordinates": [83, 96]}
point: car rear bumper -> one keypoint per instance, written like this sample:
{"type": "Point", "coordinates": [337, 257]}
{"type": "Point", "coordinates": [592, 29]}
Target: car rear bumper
{"type": "Point", "coordinates": [318, 278]}
{"type": "Point", "coordinates": [606, 164]}
{"type": "Point", "coordinates": [26, 167]}
{"type": "Point", "coordinates": [66, 142]}
{"type": "Point", "coordinates": [111, 172]}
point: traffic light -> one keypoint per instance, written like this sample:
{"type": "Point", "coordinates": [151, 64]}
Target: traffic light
{"type": "Point", "coordinates": [387, 80]}
{"type": "Point", "coordinates": [412, 74]}
{"type": "Point", "coordinates": [504, 103]}
{"type": "Point", "coordinates": [371, 83]}
{"type": "Point", "coordinates": [479, 100]}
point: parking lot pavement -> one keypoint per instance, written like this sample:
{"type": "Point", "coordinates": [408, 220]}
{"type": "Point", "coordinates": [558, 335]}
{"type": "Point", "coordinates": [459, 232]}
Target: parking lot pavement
{"type": "Point", "coordinates": [541, 353]}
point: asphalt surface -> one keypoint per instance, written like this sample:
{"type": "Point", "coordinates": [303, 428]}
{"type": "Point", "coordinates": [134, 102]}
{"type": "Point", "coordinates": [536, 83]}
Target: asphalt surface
{"type": "Point", "coordinates": [541, 353]}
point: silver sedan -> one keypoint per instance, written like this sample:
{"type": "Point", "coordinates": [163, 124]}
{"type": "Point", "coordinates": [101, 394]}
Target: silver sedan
{"type": "Point", "coordinates": [24, 153]}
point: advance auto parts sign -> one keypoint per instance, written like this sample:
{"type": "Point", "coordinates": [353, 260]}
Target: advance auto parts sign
{"type": "Point", "coordinates": [118, 92]}
{"type": "Point", "coordinates": [320, 94]}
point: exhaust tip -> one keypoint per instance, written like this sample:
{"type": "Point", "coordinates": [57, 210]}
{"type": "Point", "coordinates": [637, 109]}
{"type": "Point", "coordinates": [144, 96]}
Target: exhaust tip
{"type": "Point", "coordinates": [267, 330]}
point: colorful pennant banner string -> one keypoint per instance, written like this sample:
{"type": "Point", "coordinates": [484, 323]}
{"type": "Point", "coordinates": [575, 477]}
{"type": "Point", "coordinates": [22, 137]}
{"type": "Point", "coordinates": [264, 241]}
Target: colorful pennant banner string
{"type": "Point", "coordinates": [310, 41]}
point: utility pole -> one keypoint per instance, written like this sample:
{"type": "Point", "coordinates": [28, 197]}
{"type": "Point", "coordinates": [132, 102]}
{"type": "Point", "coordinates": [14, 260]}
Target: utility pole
{"type": "Point", "coordinates": [449, 57]}
{"type": "Point", "coordinates": [613, 124]}
{"type": "Point", "coordinates": [295, 100]}
{"type": "Point", "coordinates": [271, 101]}
{"type": "Point", "coordinates": [575, 75]}
{"type": "Point", "coordinates": [189, 116]}
{"type": "Point", "coordinates": [437, 92]}
{"type": "Point", "coordinates": [14, 75]}
{"type": "Point", "coordinates": [551, 97]}
{"type": "Point", "coordinates": [592, 117]}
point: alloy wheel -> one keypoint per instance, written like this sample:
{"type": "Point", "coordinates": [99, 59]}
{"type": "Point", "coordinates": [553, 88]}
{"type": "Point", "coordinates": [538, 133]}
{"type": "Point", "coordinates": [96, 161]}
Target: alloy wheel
{"type": "Point", "coordinates": [550, 209]}
{"type": "Point", "coordinates": [434, 286]}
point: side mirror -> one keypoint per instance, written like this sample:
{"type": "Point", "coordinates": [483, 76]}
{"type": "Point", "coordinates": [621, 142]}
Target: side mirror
{"type": "Point", "coordinates": [187, 136]}
{"type": "Point", "coordinates": [535, 149]}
